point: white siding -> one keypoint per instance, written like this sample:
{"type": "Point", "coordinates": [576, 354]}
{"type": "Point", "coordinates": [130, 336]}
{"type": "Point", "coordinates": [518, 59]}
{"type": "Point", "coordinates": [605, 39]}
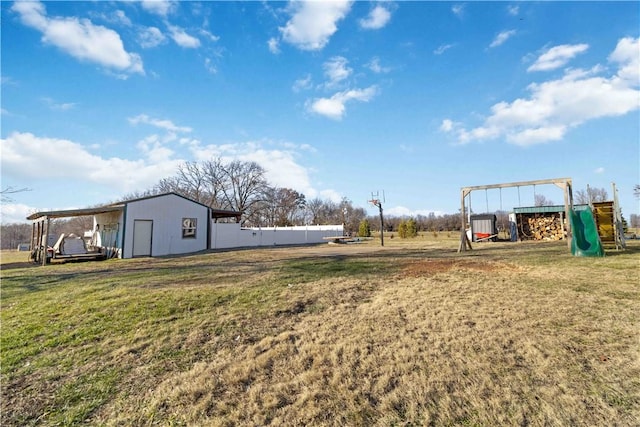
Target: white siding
{"type": "Point", "coordinates": [167, 213]}
{"type": "Point", "coordinates": [230, 235]}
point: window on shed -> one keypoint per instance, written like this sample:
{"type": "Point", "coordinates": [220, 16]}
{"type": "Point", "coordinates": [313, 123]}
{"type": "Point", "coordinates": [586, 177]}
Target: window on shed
{"type": "Point", "coordinates": [188, 228]}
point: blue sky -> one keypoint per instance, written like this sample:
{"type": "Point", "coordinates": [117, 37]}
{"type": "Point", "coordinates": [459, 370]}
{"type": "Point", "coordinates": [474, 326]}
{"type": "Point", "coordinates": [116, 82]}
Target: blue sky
{"type": "Point", "coordinates": [334, 99]}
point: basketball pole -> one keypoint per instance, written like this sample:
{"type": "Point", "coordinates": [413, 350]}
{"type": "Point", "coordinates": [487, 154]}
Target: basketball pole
{"type": "Point", "coordinates": [376, 202]}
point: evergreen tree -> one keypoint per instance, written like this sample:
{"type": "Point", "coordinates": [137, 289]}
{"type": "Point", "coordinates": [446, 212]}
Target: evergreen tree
{"type": "Point", "coordinates": [365, 228]}
{"type": "Point", "coordinates": [408, 228]}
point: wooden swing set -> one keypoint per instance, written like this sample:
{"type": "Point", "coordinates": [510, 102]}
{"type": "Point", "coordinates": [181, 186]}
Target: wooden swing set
{"type": "Point", "coordinates": [564, 183]}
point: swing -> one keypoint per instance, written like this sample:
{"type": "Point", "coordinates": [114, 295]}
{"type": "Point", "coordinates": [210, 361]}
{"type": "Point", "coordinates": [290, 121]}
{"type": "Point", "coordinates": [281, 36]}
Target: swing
{"type": "Point", "coordinates": [519, 222]}
{"type": "Point", "coordinates": [516, 227]}
{"type": "Point", "coordinates": [504, 217]}
{"type": "Point", "coordinates": [486, 199]}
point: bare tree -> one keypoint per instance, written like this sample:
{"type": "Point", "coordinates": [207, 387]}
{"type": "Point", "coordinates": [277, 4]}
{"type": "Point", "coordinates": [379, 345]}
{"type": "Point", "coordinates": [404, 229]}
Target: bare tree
{"type": "Point", "coordinates": [4, 193]}
{"type": "Point", "coordinates": [330, 213]}
{"type": "Point", "coordinates": [591, 195]}
{"type": "Point", "coordinates": [168, 185]}
{"type": "Point", "coordinates": [314, 211]}
{"type": "Point", "coordinates": [282, 207]}
{"type": "Point", "coordinates": [244, 186]}
{"type": "Point", "coordinates": [191, 180]}
{"type": "Point", "coordinates": [14, 234]}
{"type": "Point", "coordinates": [214, 174]}
{"type": "Point", "coordinates": [541, 200]}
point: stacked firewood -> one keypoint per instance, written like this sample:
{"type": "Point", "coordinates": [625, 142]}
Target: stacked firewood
{"type": "Point", "coordinates": [543, 228]}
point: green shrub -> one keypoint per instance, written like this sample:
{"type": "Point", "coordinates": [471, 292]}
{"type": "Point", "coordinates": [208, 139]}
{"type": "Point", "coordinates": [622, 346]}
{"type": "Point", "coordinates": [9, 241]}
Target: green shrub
{"type": "Point", "coordinates": [408, 228]}
{"type": "Point", "coordinates": [365, 228]}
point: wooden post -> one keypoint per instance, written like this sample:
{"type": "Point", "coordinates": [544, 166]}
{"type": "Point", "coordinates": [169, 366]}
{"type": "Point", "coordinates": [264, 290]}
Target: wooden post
{"type": "Point", "coordinates": [45, 242]}
{"type": "Point", "coordinates": [39, 242]}
{"type": "Point", "coordinates": [568, 209]}
{"type": "Point", "coordinates": [464, 239]}
{"type": "Point", "coordinates": [33, 231]}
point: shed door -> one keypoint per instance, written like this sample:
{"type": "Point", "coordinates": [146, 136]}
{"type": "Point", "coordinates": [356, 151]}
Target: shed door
{"type": "Point", "coordinates": [142, 231]}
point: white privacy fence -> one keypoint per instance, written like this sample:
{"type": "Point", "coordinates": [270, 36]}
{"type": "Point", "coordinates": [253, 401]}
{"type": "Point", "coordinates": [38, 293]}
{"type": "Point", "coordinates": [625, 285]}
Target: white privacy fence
{"type": "Point", "coordinates": [231, 235]}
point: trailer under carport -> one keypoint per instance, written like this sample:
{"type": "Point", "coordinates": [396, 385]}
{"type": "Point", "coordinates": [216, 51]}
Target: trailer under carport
{"type": "Point", "coordinates": [40, 232]}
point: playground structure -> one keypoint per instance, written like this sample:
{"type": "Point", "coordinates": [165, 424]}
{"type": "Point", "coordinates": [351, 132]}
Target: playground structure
{"type": "Point", "coordinates": [585, 227]}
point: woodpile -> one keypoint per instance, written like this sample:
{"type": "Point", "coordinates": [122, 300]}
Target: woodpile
{"type": "Point", "coordinates": [548, 227]}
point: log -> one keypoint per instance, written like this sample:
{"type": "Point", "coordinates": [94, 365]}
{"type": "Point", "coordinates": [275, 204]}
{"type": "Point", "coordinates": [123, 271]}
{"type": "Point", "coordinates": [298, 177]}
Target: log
{"type": "Point", "coordinates": [544, 228]}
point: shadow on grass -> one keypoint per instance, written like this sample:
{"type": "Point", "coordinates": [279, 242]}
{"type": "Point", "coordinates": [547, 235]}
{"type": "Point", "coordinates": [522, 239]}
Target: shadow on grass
{"type": "Point", "coordinates": [14, 265]}
{"type": "Point", "coordinates": [307, 262]}
{"type": "Point", "coordinates": [630, 249]}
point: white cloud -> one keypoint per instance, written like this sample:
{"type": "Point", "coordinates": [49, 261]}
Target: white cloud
{"type": "Point", "coordinates": [458, 9]}
{"type": "Point", "coordinates": [281, 169]}
{"type": "Point", "coordinates": [599, 170]}
{"type": "Point", "coordinates": [557, 57]}
{"type": "Point", "coordinates": [116, 17]}
{"type": "Point", "coordinates": [274, 45]}
{"type": "Point", "coordinates": [182, 38]}
{"type": "Point", "coordinates": [442, 49]}
{"type": "Point", "coordinates": [336, 70]}
{"type": "Point", "coordinates": [150, 37]}
{"type": "Point", "coordinates": [374, 65]}
{"type": "Point", "coordinates": [208, 35]}
{"type": "Point", "coordinates": [57, 106]}
{"type": "Point", "coordinates": [513, 10]}
{"type": "Point", "coordinates": [626, 54]}
{"type": "Point", "coordinates": [334, 107]}
{"type": "Point", "coordinates": [154, 148]}
{"type": "Point", "coordinates": [12, 213]}
{"type": "Point", "coordinates": [502, 37]}
{"type": "Point", "coordinates": [279, 161]}
{"type": "Point", "coordinates": [158, 7]}
{"type": "Point", "coordinates": [313, 22]}
{"type": "Point", "coordinates": [556, 106]}
{"type": "Point", "coordinates": [167, 125]}
{"type": "Point", "coordinates": [80, 38]}
{"type": "Point", "coordinates": [209, 66]}
{"type": "Point", "coordinates": [402, 211]}
{"type": "Point", "coordinates": [27, 156]}
{"type": "Point", "coordinates": [329, 194]}
{"type": "Point", "coordinates": [447, 125]}
{"type": "Point", "coordinates": [302, 84]}
{"type": "Point", "coordinates": [377, 18]}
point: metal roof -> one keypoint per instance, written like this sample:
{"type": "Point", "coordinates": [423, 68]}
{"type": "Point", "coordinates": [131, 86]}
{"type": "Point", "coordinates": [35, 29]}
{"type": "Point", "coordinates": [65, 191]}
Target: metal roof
{"type": "Point", "coordinates": [115, 207]}
{"type": "Point", "coordinates": [75, 212]}
{"type": "Point", "coordinates": [546, 209]}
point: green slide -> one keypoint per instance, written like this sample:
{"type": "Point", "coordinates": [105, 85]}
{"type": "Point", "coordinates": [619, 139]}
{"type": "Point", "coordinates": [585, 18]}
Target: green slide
{"type": "Point", "coordinates": [585, 241]}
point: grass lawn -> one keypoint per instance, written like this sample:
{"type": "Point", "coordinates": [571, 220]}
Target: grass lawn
{"type": "Point", "coordinates": [411, 333]}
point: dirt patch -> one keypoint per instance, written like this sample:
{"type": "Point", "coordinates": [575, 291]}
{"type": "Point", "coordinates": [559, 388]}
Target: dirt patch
{"type": "Point", "coordinates": [429, 267]}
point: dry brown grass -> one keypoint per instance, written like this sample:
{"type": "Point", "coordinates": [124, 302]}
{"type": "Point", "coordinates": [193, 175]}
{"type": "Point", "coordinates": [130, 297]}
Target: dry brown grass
{"type": "Point", "coordinates": [409, 334]}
